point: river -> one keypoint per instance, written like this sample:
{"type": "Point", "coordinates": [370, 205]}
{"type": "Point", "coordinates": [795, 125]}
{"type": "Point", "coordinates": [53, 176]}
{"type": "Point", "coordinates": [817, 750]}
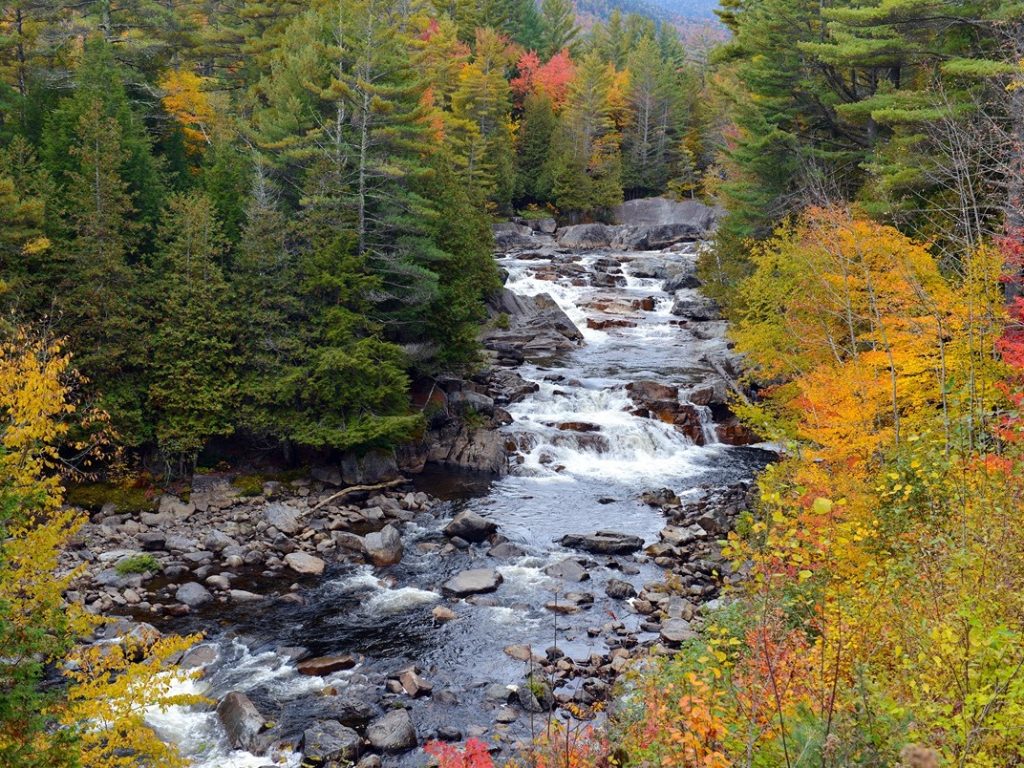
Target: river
{"type": "Point", "coordinates": [563, 480]}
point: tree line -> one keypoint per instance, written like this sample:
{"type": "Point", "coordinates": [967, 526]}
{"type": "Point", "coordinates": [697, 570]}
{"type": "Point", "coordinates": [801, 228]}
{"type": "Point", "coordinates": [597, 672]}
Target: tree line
{"type": "Point", "coordinates": [264, 217]}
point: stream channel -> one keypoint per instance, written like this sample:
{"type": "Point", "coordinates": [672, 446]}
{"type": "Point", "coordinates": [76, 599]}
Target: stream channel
{"type": "Point", "coordinates": [561, 481]}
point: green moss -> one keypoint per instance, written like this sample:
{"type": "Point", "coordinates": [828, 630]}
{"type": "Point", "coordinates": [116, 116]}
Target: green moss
{"type": "Point", "coordinates": [248, 485]}
{"type": "Point", "coordinates": [138, 564]}
{"type": "Point", "coordinates": [128, 499]}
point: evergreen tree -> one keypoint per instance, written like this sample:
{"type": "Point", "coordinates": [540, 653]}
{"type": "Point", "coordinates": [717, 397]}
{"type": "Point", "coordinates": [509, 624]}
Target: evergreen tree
{"type": "Point", "coordinates": [536, 130]}
{"type": "Point", "coordinates": [558, 29]}
{"type": "Point", "coordinates": [192, 372]}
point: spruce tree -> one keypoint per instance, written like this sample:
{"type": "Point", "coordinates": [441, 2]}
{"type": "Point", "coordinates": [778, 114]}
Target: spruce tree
{"type": "Point", "coordinates": [192, 374]}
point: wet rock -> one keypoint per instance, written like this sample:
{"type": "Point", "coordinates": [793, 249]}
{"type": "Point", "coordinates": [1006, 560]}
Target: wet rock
{"type": "Point", "coordinates": [306, 564]}
{"type": "Point", "coordinates": [368, 469]}
{"type": "Point", "coordinates": [470, 526]}
{"type": "Point", "coordinates": [658, 211]}
{"type": "Point", "coordinates": [394, 732]}
{"type": "Point", "coordinates": [329, 741]}
{"type": "Point", "coordinates": [413, 684]}
{"type": "Point", "coordinates": [505, 550]}
{"type": "Point", "coordinates": [680, 281]}
{"type": "Point", "coordinates": [519, 652]}
{"type": "Point", "coordinates": [473, 581]}
{"type": "Point", "coordinates": [242, 722]}
{"type": "Point", "coordinates": [351, 711]}
{"type": "Point", "coordinates": [442, 614]}
{"type": "Point", "coordinates": [244, 596]}
{"type": "Point", "coordinates": [617, 589]}
{"type": "Point", "coordinates": [510, 237]}
{"type": "Point", "coordinates": [282, 516]}
{"type": "Point", "coordinates": [466, 401]}
{"type": "Point", "coordinates": [200, 656]}
{"type": "Point", "coordinates": [644, 392]}
{"type": "Point", "coordinates": [665, 497]}
{"type": "Point", "coordinates": [193, 594]}
{"type": "Point", "coordinates": [569, 570]}
{"type": "Point", "coordinates": [325, 665]}
{"type": "Point", "coordinates": [578, 426]}
{"type": "Point", "coordinates": [603, 542]}
{"type": "Point", "coordinates": [152, 541]}
{"type": "Point", "coordinates": [384, 547]}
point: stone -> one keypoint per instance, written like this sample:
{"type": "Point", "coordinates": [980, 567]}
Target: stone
{"type": "Point", "coordinates": [152, 541]}
{"type": "Point", "coordinates": [651, 392]}
{"type": "Point", "coordinates": [661, 211]}
{"type": "Point", "coordinates": [696, 307]}
{"type": "Point", "coordinates": [506, 550]}
{"type": "Point", "coordinates": [199, 656]}
{"type": "Point", "coordinates": [325, 665]}
{"type": "Point", "coordinates": [370, 761]}
{"type": "Point", "coordinates": [519, 652]}
{"type": "Point", "coordinates": [328, 741]}
{"type": "Point", "coordinates": [618, 589]}
{"type": "Point", "coordinates": [328, 475]}
{"type": "Point", "coordinates": [569, 570]}
{"type": "Point", "coordinates": [676, 631]}
{"type": "Point", "coordinates": [384, 547]}
{"type": "Point", "coordinates": [413, 684]}
{"type": "Point", "coordinates": [505, 714]}
{"type": "Point", "coordinates": [442, 614]}
{"type": "Point", "coordinates": [282, 516]}
{"type": "Point", "coordinates": [603, 542]}
{"type": "Point", "coordinates": [470, 526]}
{"type": "Point", "coordinates": [473, 581]}
{"type": "Point", "coordinates": [394, 732]}
{"type": "Point", "coordinates": [244, 596]}
{"type": "Point", "coordinates": [218, 541]}
{"type": "Point", "coordinates": [242, 722]}
{"type": "Point", "coordinates": [680, 281]}
{"type": "Point", "coordinates": [193, 594]}
{"type": "Point", "coordinates": [306, 564]}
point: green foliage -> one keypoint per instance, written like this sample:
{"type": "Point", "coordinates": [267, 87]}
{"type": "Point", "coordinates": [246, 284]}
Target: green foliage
{"type": "Point", "coordinates": [144, 563]}
{"type": "Point", "coordinates": [126, 498]}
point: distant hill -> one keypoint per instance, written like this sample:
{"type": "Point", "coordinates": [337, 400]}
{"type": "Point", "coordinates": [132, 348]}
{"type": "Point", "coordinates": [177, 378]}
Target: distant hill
{"type": "Point", "coordinates": [695, 19]}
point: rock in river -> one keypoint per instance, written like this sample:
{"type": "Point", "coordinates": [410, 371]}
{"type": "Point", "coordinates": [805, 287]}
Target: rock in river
{"type": "Point", "coordinates": [193, 594]}
{"type": "Point", "coordinates": [384, 547]}
{"type": "Point", "coordinates": [473, 581]}
{"type": "Point", "coordinates": [329, 741]}
{"type": "Point", "coordinates": [242, 722]}
{"type": "Point", "coordinates": [470, 526]}
{"type": "Point", "coordinates": [324, 665]}
{"type": "Point", "coordinates": [394, 732]}
{"type": "Point", "coordinates": [303, 563]}
{"type": "Point", "coordinates": [603, 542]}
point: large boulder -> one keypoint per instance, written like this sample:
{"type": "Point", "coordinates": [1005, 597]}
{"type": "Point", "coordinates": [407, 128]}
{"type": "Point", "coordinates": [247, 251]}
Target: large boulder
{"type": "Point", "coordinates": [394, 732]}
{"type": "Point", "coordinates": [568, 569]}
{"type": "Point", "coordinates": [533, 326]}
{"type": "Point", "coordinates": [325, 665]}
{"type": "Point", "coordinates": [470, 526]}
{"type": "Point", "coordinates": [585, 236]}
{"type": "Point", "coordinates": [472, 582]}
{"type": "Point", "coordinates": [242, 722]}
{"type": "Point", "coordinates": [328, 741]}
{"type": "Point", "coordinates": [662, 211]}
{"type": "Point", "coordinates": [369, 468]}
{"type": "Point", "coordinates": [603, 542]}
{"type": "Point", "coordinates": [512, 237]}
{"type": "Point", "coordinates": [384, 547]}
{"type": "Point", "coordinates": [644, 392]}
{"type": "Point", "coordinates": [695, 307]}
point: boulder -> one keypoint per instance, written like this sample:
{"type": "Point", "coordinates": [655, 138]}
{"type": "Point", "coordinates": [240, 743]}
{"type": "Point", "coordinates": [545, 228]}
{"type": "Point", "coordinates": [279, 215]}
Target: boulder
{"type": "Point", "coordinates": [325, 665]}
{"type": "Point", "coordinates": [512, 237]}
{"type": "Point", "coordinates": [368, 469]}
{"type": "Point", "coordinates": [695, 307]}
{"type": "Point", "coordinates": [328, 741]}
{"type": "Point", "coordinates": [472, 582]}
{"type": "Point", "coordinates": [479, 450]}
{"type": "Point", "coordinates": [466, 401]}
{"type": "Point", "coordinates": [662, 211]}
{"type": "Point", "coordinates": [306, 564]}
{"type": "Point", "coordinates": [193, 594]}
{"type": "Point", "coordinates": [645, 392]}
{"type": "Point", "coordinates": [567, 569]}
{"type": "Point", "coordinates": [681, 281]}
{"type": "Point", "coordinates": [442, 614]}
{"type": "Point", "coordinates": [242, 722]}
{"type": "Point", "coordinates": [394, 732]}
{"type": "Point", "coordinates": [282, 516]}
{"type": "Point", "coordinates": [603, 542]}
{"type": "Point", "coordinates": [470, 526]}
{"type": "Point", "coordinates": [585, 236]}
{"type": "Point", "coordinates": [384, 547]}
{"type": "Point", "coordinates": [676, 631]}
{"type": "Point", "coordinates": [175, 507]}
{"type": "Point", "coordinates": [535, 326]}
{"type": "Point", "coordinates": [617, 589]}
{"type": "Point", "coordinates": [414, 685]}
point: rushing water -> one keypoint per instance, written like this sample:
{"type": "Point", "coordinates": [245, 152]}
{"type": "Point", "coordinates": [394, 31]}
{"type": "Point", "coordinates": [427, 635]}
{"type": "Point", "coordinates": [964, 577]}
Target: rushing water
{"type": "Point", "coordinates": [565, 482]}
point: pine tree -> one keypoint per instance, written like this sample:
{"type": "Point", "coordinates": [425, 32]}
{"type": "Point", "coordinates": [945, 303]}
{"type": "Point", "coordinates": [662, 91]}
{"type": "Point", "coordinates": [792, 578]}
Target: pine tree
{"type": "Point", "coordinates": [193, 382]}
{"type": "Point", "coordinates": [533, 149]}
{"type": "Point", "coordinates": [558, 27]}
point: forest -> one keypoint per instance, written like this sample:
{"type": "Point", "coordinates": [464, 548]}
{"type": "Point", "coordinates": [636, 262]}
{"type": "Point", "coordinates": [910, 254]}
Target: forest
{"type": "Point", "coordinates": [261, 222]}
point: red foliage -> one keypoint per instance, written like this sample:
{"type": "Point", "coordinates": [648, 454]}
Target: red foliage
{"type": "Point", "coordinates": [475, 754]}
{"type": "Point", "coordinates": [551, 79]}
{"type": "Point", "coordinates": [1011, 344]}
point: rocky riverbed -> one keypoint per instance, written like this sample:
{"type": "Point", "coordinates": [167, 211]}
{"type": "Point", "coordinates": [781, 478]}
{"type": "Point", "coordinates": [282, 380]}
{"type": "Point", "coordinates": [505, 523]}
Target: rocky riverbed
{"type": "Point", "coordinates": [433, 603]}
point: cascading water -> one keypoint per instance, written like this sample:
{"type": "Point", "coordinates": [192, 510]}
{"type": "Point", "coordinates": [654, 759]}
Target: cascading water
{"type": "Point", "coordinates": [583, 460]}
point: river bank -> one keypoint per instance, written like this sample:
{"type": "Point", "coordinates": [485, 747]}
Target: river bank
{"type": "Point", "coordinates": [362, 626]}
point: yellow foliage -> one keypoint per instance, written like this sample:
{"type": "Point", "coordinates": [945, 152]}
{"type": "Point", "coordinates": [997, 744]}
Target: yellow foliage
{"type": "Point", "coordinates": [188, 99]}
